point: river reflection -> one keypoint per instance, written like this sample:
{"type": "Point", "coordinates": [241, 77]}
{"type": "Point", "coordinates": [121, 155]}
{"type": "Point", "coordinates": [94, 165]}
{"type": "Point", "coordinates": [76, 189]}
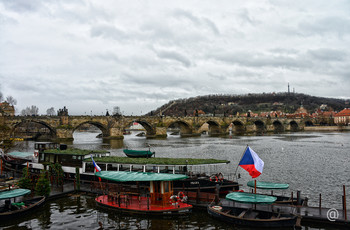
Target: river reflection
{"type": "Point", "coordinates": [313, 163]}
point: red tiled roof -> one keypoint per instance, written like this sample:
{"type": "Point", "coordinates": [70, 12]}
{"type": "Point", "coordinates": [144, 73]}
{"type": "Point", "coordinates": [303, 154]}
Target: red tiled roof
{"type": "Point", "coordinates": [344, 112]}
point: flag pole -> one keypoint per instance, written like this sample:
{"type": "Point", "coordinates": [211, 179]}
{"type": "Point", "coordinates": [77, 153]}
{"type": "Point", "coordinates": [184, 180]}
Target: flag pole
{"type": "Point", "coordinates": [254, 186]}
{"type": "Point", "coordinates": [235, 175]}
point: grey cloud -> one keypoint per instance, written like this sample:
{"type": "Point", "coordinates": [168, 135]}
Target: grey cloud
{"type": "Point", "coordinates": [245, 17]}
{"type": "Point", "coordinates": [172, 55]}
{"type": "Point", "coordinates": [261, 60]}
{"type": "Point", "coordinates": [107, 56]}
{"type": "Point", "coordinates": [328, 54]}
{"type": "Point", "coordinates": [152, 79]}
{"type": "Point", "coordinates": [21, 6]}
{"type": "Point", "coordinates": [334, 25]}
{"type": "Point", "coordinates": [203, 21]}
{"type": "Point", "coordinates": [107, 31]}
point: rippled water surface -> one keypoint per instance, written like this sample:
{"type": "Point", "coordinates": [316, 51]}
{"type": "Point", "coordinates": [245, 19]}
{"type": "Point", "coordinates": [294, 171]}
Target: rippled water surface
{"type": "Point", "coordinates": [313, 163]}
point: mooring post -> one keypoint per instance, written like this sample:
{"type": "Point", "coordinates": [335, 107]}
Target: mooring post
{"type": "Point", "coordinates": [298, 198]}
{"type": "Point", "coordinates": [320, 202]}
{"type": "Point", "coordinates": [292, 198]}
{"type": "Point", "coordinates": [344, 202]}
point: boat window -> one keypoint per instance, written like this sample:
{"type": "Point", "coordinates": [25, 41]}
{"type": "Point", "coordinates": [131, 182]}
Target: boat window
{"type": "Point", "coordinates": [52, 159]}
{"type": "Point", "coordinates": [166, 186]}
{"type": "Point", "coordinates": [42, 157]}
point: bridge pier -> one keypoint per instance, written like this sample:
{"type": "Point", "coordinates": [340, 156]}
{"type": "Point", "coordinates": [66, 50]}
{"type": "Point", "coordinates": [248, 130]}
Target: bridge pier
{"type": "Point", "coordinates": [115, 134]}
{"type": "Point", "coordinates": [65, 134]}
{"type": "Point", "coordinates": [160, 132]}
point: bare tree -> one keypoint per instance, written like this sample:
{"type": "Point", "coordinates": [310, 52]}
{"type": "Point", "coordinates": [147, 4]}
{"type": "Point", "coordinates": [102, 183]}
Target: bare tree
{"type": "Point", "coordinates": [34, 110]}
{"type": "Point", "coordinates": [50, 111]}
{"type": "Point", "coordinates": [25, 112]}
{"type": "Point", "coordinates": [30, 111]}
{"type": "Point", "coordinates": [11, 100]}
{"type": "Point", "coordinates": [1, 97]}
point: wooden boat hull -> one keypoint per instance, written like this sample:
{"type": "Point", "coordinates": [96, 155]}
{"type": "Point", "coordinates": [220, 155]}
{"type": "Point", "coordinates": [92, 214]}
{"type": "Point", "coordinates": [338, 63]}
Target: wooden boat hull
{"type": "Point", "coordinates": [251, 218]}
{"type": "Point", "coordinates": [30, 204]}
{"type": "Point", "coordinates": [139, 206]}
{"type": "Point", "coordinates": [138, 153]}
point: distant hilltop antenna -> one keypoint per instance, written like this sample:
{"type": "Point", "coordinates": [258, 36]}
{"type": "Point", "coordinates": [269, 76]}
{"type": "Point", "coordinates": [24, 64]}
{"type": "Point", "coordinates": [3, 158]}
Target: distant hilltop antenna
{"type": "Point", "coordinates": [288, 88]}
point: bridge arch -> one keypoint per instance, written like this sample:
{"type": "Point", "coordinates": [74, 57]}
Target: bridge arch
{"type": "Point", "coordinates": [309, 123]}
{"type": "Point", "coordinates": [259, 126]}
{"type": "Point", "coordinates": [238, 127]}
{"type": "Point", "coordinates": [52, 131]}
{"type": "Point", "coordinates": [213, 128]}
{"type": "Point", "coordinates": [294, 127]}
{"type": "Point", "coordinates": [100, 126]}
{"type": "Point", "coordinates": [278, 126]}
{"type": "Point", "coordinates": [150, 131]}
{"type": "Point", "coordinates": [185, 128]}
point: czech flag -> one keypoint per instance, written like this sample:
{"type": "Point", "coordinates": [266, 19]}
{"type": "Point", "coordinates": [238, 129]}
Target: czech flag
{"type": "Point", "coordinates": [97, 168]}
{"type": "Point", "coordinates": [252, 163]}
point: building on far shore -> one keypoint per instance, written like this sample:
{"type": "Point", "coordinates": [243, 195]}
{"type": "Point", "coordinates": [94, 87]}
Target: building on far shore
{"type": "Point", "coordinates": [343, 117]}
{"type": "Point", "coordinates": [6, 109]}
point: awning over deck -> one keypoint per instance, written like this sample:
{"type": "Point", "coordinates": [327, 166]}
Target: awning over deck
{"type": "Point", "coordinates": [123, 176]}
{"type": "Point", "coordinates": [13, 193]}
{"type": "Point", "coordinates": [252, 198]}
{"type": "Point", "coordinates": [267, 185]}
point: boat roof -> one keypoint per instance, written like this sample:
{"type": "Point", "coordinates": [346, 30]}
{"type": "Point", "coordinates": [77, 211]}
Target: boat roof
{"type": "Point", "coordinates": [267, 185]}
{"type": "Point", "coordinates": [13, 193]}
{"type": "Point", "coordinates": [21, 154]}
{"type": "Point", "coordinates": [158, 161]}
{"type": "Point", "coordinates": [123, 176]}
{"type": "Point", "coordinates": [70, 151]}
{"type": "Point", "coordinates": [244, 197]}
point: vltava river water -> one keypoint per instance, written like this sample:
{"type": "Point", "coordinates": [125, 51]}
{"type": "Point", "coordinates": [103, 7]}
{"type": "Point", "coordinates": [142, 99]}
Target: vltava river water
{"type": "Point", "coordinates": [313, 163]}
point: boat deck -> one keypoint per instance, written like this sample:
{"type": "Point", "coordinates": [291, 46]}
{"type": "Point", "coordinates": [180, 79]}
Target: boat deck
{"type": "Point", "coordinates": [139, 204]}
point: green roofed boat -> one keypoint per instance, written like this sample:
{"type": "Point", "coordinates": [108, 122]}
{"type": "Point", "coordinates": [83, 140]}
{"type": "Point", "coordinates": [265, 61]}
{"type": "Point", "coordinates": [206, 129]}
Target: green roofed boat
{"type": "Point", "coordinates": [11, 209]}
{"type": "Point", "coordinates": [153, 198]}
{"type": "Point", "coordinates": [281, 199]}
{"type": "Point", "coordinates": [253, 212]}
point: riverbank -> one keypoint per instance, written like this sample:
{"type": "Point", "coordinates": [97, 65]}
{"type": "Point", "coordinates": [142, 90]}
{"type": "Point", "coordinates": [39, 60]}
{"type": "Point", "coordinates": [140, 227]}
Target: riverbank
{"type": "Point", "coordinates": [326, 128]}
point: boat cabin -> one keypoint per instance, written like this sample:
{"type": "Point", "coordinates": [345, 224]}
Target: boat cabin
{"type": "Point", "coordinates": [157, 199]}
{"type": "Point", "coordinates": [41, 146]}
{"type": "Point", "coordinates": [68, 157]}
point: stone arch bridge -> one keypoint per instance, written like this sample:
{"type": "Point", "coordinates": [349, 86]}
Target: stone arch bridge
{"type": "Point", "coordinates": [112, 127]}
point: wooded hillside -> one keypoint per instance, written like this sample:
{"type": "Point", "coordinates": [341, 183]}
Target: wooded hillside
{"type": "Point", "coordinates": [233, 104]}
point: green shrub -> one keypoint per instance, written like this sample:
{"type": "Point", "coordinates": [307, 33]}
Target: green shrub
{"type": "Point", "coordinates": [42, 187]}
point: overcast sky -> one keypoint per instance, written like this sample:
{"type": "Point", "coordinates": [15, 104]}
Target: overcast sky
{"type": "Point", "coordinates": [93, 55]}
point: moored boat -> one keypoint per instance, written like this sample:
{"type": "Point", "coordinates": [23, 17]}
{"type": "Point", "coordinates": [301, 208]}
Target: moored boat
{"type": "Point", "coordinates": [12, 209]}
{"type": "Point", "coordinates": [138, 153]}
{"type": "Point", "coordinates": [155, 198]}
{"type": "Point", "coordinates": [281, 199]}
{"type": "Point", "coordinates": [70, 159]}
{"type": "Point", "coordinates": [253, 212]}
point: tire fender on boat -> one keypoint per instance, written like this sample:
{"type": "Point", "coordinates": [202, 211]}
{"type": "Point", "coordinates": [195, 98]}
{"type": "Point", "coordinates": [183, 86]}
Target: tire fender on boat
{"type": "Point", "coordinates": [221, 176]}
{"type": "Point", "coordinates": [182, 197]}
{"type": "Point", "coordinates": [217, 208]}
